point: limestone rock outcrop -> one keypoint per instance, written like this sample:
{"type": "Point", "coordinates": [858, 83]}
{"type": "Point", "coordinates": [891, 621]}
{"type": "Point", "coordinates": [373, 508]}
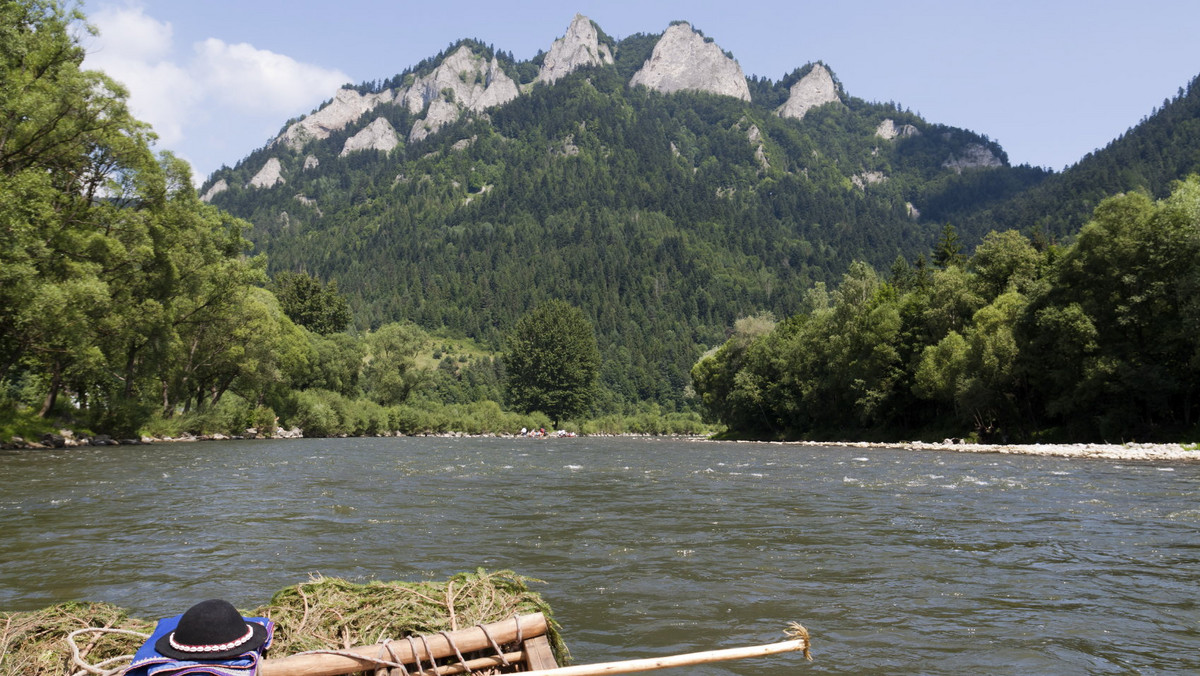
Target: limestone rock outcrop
{"type": "Point", "coordinates": [346, 108]}
{"type": "Point", "coordinates": [578, 48]}
{"type": "Point", "coordinates": [754, 135]}
{"type": "Point", "coordinates": [308, 202]}
{"type": "Point", "coordinates": [462, 81]}
{"type": "Point", "coordinates": [379, 135]}
{"type": "Point", "coordinates": [440, 114]}
{"type": "Point", "coordinates": [684, 61]}
{"type": "Point", "coordinates": [887, 130]}
{"type": "Point", "coordinates": [814, 89]}
{"type": "Point", "coordinates": [973, 156]}
{"type": "Point", "coordinates": [269, 176]}
{"type": "Point", "coordinates": [216, 189]}
{"type": "Point", "coordinates": [311, 162]}
{"type": "Point", "coordinates": [463, 78]}
{"type": "Point", "coordinates": [862, 180]}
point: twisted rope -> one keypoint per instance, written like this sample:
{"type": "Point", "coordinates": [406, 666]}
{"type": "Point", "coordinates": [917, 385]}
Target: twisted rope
{"type": "Point", "coordinates": [99, 669]}
{"type": "Point", "coordinates": [457, 652]}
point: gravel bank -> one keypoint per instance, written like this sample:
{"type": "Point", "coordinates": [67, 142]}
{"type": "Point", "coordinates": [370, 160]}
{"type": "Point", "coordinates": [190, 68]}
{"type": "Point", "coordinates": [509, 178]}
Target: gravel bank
{"type": "Point", "coordinates": [1170, 452]}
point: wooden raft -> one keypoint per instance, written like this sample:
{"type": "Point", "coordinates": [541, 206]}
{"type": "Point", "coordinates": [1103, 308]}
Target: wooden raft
{"type": "Point", "coordinates": [519, 645]}
{"type": "Point", "coordinates": [511, 646]}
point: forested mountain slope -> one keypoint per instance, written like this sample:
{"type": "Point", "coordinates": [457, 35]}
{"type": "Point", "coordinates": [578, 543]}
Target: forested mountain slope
{"type": "Point", "coordinates": [465, 190]}
{"type": "Point", "coordinates": [1150, 157]}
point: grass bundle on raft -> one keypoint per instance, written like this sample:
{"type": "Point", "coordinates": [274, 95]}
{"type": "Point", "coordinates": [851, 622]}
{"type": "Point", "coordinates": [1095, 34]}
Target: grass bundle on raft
{"type": "Point", "coordinates": [35, 643]}
{"type": "Point", "coordinates": [322, 613]}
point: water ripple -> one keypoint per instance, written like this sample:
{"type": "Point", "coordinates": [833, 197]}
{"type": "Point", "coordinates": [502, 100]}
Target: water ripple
{"type": "Point", "coordinates": [899, 562]}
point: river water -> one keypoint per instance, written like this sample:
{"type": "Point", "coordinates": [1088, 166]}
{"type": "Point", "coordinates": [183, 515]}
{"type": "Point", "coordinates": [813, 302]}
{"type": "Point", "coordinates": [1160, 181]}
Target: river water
{"type": "Point", "coordinates": [898, 562]}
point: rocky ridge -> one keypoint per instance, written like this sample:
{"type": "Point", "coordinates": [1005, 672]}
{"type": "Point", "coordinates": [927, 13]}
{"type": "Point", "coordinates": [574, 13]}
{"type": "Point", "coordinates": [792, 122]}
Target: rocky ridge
{"type": "Point", "coordinates": [346, 108]}
{"type": "Point", "coordinates": [463, 81]}
{"type": "Point", "coordinates": [683, 60]}
{"type": "Point", "coordinates": [467, 82]}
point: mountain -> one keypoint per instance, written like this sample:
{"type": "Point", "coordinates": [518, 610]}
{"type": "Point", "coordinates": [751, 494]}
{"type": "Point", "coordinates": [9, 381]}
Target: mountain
{"type": "Point", "coordinates": [1163, 148]}
{"type": "Point", "coordinates": [646, 181]}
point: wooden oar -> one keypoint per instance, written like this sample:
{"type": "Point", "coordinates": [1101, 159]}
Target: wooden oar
{"type": "Point", "coordinates": [799, 642]}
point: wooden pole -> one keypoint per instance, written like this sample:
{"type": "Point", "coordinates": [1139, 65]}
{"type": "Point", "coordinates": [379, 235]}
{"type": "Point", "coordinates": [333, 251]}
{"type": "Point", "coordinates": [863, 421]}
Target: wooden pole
{"type": "Point", "coordinates": [800, 643]}
{"type": "Point", "coordinates": [362, 658]}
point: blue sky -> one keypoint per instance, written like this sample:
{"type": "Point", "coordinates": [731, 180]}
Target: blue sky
{"type": "Point", "coordinates": [1049, 80]}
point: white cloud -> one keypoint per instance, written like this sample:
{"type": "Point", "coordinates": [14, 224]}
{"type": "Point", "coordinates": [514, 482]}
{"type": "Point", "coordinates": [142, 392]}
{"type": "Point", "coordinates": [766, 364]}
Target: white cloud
{"type": "Point", "coordinates": [128, 33]}
{"type": "Point", "coordinates": [231, 90]}
{"type": "Point", "coordinates": [256, 80]}
{"type": "Point", "coordinates": [134, 49]}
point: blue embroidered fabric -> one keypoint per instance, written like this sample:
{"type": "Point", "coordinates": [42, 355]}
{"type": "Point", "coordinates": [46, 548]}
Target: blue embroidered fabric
{"type": "Point", "coordinates": [149, 662]}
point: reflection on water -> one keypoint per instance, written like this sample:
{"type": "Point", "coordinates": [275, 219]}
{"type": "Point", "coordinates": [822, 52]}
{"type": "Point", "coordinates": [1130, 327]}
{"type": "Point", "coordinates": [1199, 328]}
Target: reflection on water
{"type": "Point", "coordinates": [898, 562]}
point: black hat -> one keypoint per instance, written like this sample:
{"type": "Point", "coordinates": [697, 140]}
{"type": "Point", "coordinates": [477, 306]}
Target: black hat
{"type": "Point", "coordinates": [211, 630]}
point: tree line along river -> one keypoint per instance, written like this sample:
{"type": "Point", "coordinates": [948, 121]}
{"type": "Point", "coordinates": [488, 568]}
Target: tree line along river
{"type": "Point", "coordinates": [896, 561]}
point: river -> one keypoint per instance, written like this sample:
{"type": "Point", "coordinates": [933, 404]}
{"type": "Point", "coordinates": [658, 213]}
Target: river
{"type": "Point", "coordinates": [898, 562]}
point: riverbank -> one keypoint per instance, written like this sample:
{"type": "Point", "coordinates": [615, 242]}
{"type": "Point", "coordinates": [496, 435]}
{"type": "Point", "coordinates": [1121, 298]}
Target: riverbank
{"type": "Point", "coordinates": [68, 439]}
{"type": "Point", "coordinates": [1171, 452]}
{"type": "Point", "coordinates": [1131, 451]}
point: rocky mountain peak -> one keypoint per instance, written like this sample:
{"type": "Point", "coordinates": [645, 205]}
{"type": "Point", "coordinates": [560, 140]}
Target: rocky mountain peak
{"type": "Point", "coordinates": [684, 61]}
{"type": "Point", "coordinates": [578, 48]}
{"type": "Point", "coordinates": [816, 88]}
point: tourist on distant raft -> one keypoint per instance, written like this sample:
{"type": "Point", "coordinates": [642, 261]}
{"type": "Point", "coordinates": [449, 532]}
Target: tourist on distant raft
{"type": "Point", "coordinates": [212, 637]}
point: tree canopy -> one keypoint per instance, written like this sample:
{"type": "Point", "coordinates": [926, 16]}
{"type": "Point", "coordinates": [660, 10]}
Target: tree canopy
{"type": "Point", "coordinates": [1097, 340]}
{"type": "Point", "coordinates": [117, 285]}
{"type": "Point", "coordinates": [552, 361]}
{"type": "Point", "coordinates": [315, 306]}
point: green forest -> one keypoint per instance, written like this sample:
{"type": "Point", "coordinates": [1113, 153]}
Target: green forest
{"type": "Point", "coordinates": [1097, 340]}
{"type": "Point", "coordinates": [732, 270]}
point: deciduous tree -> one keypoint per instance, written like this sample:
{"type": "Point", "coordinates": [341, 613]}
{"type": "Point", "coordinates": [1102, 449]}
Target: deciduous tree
{"type": "Point", "coordinates": [552, 361]}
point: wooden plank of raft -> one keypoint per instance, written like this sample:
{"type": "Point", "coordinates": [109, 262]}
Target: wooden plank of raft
{"type": "Point", "coordinates": [538, 654]}
{"type": "Point", "coordinates": [361, 658]}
